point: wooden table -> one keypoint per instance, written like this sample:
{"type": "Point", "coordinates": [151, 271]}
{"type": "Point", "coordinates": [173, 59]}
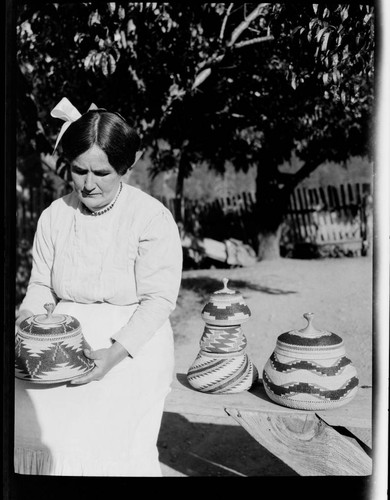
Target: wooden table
{"type": "Point", "coordinates": [333, 442]}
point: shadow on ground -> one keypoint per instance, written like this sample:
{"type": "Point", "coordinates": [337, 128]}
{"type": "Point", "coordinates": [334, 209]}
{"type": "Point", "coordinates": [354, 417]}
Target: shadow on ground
{"type": "Point", "coordinates": [204, 449]}
{"type": "Point", "coordinates": [204, 286]}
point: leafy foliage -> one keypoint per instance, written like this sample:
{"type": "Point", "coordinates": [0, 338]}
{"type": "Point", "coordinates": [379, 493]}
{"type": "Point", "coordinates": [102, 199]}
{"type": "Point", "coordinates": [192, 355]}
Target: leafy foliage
{"type": "Point", "coordinates": [247, 82]}
{"type": "Point", "coordinates": [23, 268]}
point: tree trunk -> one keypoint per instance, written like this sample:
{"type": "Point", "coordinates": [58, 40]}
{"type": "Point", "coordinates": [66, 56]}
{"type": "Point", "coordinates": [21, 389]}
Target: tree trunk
{"type": "Point", "coordinates": [269, 244]}
{"type": "Point", "coordinates": [271, 207]}
{"type": "Point", "coordinates": [179, 190]}
{"type": "Point", "coordinates": [182, 172]}
{"type": "Point", "coordinates": [273, 191]}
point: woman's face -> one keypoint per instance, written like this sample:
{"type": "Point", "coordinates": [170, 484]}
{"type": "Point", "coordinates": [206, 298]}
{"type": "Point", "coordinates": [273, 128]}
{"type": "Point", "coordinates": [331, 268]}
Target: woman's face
{"type": "Point", "coordinates": [96, 182]}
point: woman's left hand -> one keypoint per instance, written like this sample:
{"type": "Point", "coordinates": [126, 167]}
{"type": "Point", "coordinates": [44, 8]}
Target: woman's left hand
{"type": "Point", "coordinates": [104, 359]}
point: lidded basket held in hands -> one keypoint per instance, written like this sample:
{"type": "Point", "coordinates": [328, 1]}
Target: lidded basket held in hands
{"type": "Point", "coordinates": [222, 365]}
{"type": "Point", "coordinates": [49, 348]}
{"type": "Point", "coordinates": [309, 370]}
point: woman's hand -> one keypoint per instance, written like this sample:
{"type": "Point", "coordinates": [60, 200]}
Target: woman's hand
{"type": "Point", "coordinates": [104, 359]}
{"type": "Point", "coordinates": [21, 315]}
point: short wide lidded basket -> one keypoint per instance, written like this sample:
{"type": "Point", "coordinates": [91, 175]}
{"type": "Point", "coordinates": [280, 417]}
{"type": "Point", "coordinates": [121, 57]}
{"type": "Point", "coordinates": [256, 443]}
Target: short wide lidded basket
{"type": "Point", "coordinates": [49, 348]}
{"type": "Point", "coordinates": [309, 370]}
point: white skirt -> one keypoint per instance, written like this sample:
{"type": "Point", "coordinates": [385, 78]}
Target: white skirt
{"type": "Point", "coordinates": [105, 428]}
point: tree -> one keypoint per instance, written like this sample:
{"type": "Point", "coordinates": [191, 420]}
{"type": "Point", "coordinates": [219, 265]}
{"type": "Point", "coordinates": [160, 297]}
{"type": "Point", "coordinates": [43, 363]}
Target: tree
{"type": "Point", "coordinates": [309, 91]}
{"type": "Point", "coordinates": [249, 83]}
{"type": "Point", "coordinates": [313, 100]}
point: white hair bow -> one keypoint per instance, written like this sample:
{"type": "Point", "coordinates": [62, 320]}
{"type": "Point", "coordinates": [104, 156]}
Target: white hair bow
{"type": "Point", "coordinates": [67, 112]}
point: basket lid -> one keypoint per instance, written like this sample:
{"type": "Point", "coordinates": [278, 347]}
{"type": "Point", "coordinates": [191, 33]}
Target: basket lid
{"type": "Point", "coordinates": [226, 294]}
{"type": "Point", "coordinates": [310, 336]}
{"type": "Point", "coordinates": [49, 323]}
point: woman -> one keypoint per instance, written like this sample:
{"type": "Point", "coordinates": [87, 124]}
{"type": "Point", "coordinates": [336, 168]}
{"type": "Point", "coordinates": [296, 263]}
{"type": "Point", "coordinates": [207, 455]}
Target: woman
{"type": "Point", "coordinates": [109, 255]}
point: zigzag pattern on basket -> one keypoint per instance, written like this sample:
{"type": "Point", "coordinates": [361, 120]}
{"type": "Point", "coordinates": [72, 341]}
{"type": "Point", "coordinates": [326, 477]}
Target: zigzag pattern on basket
{"type": "Point", "coordinates": [229, 312]}
{"type": "Point", "coordinates": [289, 390]}
{"type": "Point", "coordinates": [217, 375]}
{"type": "Point", "coordinates": [327, 371]}
{"type": "Point", "coordinates": [209, 361]}
{"type": "Point", "coordinates": [311, 403]}
{"type": "Point", "coordinates": [223, 340]}
{"type": "Point", "coordinates": [35, 349]}
{"type": "Point", "coordinates": [33, 367]}
{"type": "Point", "coordinates": [40, 368]}
{"type": "Point", "coordinates": [222, 366]}
{"type": "Point", "coordinates": [325, 339]}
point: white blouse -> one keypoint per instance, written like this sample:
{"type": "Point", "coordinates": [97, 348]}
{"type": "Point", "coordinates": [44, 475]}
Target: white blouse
{"type": "Point", "coordinates": [131, 254]}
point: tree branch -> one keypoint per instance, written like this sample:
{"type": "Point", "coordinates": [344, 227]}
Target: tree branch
{"type": "Point", "coordinates": [259, 39]}
{"type": "Point", "coordinates": [247, 21]}
{"type": "Point", "coordinates": [304, 172]}
{"type": "Point", "coordinates": [215, 59]}
{"type": "Point", "coordinates": [211, 61]}
{"type": "Point", "coordinates": [222, 32]}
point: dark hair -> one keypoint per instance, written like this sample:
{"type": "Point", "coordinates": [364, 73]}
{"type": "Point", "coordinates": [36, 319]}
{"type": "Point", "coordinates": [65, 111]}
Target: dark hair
{"type": "Point", "coordinates": [109, 131]}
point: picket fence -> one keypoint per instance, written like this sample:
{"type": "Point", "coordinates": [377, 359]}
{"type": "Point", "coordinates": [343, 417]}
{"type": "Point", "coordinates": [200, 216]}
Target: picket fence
{"type": "Point", "coordinates": [332, 215]}
{"type": "Point", "coordinates": [338, 216]}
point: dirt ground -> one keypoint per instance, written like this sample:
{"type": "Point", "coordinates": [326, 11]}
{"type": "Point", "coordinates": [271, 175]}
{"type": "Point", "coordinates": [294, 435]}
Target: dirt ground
{"type": "Point", "coordinates": [340, 294]}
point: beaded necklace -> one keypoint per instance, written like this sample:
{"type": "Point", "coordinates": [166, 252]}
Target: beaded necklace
{"type": "Point", "coordinates": [109, 207]}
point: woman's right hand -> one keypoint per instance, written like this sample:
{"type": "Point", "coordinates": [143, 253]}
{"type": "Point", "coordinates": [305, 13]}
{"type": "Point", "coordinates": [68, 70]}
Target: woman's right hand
{"type": "Point", "coordinates": [22, 315]}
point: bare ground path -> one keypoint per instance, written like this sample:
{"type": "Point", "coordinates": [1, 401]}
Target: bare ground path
{"type": "Point", "coordinates": [340, 294]}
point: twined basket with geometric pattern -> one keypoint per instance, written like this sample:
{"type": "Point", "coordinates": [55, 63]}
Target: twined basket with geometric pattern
{"type": "Point", "coordinates": [49, 348]}
{"type": "Point", "coordinates": [309, 370]}
{"type": "Point", "coordinates": [222, 364]}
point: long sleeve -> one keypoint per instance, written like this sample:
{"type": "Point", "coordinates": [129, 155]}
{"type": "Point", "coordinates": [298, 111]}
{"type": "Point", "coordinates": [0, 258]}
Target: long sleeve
{"type": "Point", "coordinates": [39, 290]}
{"type": "Point", "coordinates": [158, 267]}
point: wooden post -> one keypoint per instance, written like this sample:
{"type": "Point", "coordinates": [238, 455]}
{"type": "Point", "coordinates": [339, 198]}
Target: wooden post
{"type": "Point", "coordinates": [303, 215]}
{"type": "Point", "coordinates": [291, 222]}
{"type": "Point", "coordinates": [351, 199]}
{"type": "Point", "coordinates": [358, 193]}
{"type": "Point", "coordinates": [323, 198]}
{"type": "Point", "coordinates": [367, 224]}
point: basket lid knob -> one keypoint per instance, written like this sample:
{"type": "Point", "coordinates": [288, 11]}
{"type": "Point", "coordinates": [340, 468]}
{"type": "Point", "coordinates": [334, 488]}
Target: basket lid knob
{"type": "Point", "coordinates": [309, 328]}
{"type": "Point", "coordinates": [49, 308]}
{"type": "Point", "coordinates": [49, 318]}
{"type": "Point", "coordinates": [225, 288]}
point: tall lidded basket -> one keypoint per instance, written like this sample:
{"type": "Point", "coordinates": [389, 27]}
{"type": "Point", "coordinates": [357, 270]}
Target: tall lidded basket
{"type": "Point", "coordinates": [309, 370]}
{"type": "Point", "coordinates": [49, 348]}
{"type": "Point", "coordinates": [222, 364]}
